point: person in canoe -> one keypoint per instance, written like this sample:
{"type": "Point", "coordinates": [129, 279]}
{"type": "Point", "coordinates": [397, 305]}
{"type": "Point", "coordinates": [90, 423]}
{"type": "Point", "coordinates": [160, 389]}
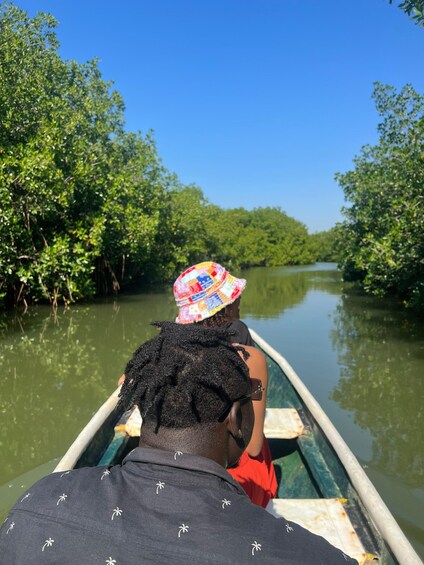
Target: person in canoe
{"type": "Point", "coordinates": [208, 295]}
{"type": "Point", "coordinates": [171, 501]}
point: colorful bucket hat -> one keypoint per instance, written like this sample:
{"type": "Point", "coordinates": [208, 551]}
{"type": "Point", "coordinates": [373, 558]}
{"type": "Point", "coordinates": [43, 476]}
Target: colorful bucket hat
{"type": "Point", "coordinates": [204, 289]}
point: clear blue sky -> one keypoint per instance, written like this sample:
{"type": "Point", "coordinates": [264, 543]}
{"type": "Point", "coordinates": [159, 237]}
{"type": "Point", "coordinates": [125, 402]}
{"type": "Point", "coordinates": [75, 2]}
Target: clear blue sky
{"type": "Point", "coordinates": [259, 102]}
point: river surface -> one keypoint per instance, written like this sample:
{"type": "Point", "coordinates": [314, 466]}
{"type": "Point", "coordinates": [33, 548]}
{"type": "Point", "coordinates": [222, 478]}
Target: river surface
{"type": "Point", "coordinates": [362, 359]}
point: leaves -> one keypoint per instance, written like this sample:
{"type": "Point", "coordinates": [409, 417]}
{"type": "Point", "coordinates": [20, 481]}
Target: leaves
{"type": "Point", "coordinates": [414, 9]}
{"type": "Point", "coordinates": [77, 192]}
{"type": "Point", "coordinates": [384, 229]}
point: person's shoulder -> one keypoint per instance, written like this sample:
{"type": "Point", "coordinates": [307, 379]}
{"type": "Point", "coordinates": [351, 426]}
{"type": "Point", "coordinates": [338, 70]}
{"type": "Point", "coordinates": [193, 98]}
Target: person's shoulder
{"type": "Point", "coordinates": [58, 484]}
{"type": "Point", "coordinates": [67, 475]}
{"type": "Point", "coordinates": [256, 357]}
{"type": "Point", "coordinates": [238, 324]}
{"type": "Point", "coordinates": [241, 333]}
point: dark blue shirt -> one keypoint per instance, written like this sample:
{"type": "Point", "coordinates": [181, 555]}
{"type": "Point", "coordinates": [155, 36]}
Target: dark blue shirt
{"type": "Point", "coordinates": [158, 507]}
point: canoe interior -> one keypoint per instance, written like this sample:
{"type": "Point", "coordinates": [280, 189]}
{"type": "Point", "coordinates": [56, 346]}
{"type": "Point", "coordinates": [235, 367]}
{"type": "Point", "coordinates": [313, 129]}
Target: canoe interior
{"type": "Point", "coordinates": [306, 467]}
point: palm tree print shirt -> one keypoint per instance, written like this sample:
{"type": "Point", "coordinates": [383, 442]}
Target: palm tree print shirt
{"type": "Point", "coordinates": [158, 507]}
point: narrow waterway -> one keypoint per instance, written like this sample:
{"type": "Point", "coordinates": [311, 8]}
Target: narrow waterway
{"type": "Point", "coordinates": [363, 360]}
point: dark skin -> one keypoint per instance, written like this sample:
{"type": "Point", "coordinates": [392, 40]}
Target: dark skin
{"type": "Point", "coordinates": [223, 442]}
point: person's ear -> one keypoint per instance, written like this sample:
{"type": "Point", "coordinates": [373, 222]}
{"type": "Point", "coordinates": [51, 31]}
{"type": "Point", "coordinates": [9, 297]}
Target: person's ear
{"type": "Point", "coordinates": [234, 424]}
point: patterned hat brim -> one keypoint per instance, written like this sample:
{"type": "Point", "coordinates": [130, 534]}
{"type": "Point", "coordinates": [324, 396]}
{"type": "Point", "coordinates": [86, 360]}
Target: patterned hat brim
{"type": "Point", "coordinates": [213, 303]}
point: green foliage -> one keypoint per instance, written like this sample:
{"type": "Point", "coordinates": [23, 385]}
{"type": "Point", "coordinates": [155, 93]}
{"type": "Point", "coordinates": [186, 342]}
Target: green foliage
{"type": "Point", "coordinates": [79, 197]}
{"type": "Point", "coordinates": [326, 245]}
{"type": "Point", "coordinates": [261, 237]}
{"type": "Point", "coordinates": [414, 9]}
{"type": "Point", "coordinates": [384, 231]}
{"type": "Point", "coordinates": [86, 207]}
{"type": "Point", "coordinates": [197, 230]}
{"type": "Point", "coordinates": [132, 213]}
{"type": "Point", "coordinates": [184, 238]}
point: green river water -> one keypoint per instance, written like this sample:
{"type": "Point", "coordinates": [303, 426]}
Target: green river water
{"type": "Point", "coordinates": [362, 359]}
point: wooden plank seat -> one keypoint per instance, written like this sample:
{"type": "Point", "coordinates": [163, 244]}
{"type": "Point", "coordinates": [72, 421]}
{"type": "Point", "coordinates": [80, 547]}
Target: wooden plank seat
{"type": "Point", "coordinates": [282, 423]}
{"type": "Point", "coordinates": [325, 517]}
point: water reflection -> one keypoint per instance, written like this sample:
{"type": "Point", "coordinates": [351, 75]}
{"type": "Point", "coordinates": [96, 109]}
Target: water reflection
{"type": "Point", "coordinates": [380, 356]}
{"type": "Point", "coordinates": [57, 369]}
{"type": "Point", "coordinates": [271, 291]}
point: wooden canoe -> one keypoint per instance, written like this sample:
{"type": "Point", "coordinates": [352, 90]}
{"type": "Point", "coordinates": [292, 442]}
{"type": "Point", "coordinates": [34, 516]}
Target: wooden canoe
{"type": "Point", "coordinates": [321, 484]}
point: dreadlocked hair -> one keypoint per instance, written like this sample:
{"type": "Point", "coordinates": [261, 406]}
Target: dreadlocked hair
{"type": "Point", "coordinates": [220, 319]}
{"type": "Point", "coordinates": [187, 375]}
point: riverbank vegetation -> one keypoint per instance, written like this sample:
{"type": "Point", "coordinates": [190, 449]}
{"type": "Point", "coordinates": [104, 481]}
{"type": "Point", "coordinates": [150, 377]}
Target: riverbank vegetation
{"type": "Point", "coordinates": [326, 245]}
{"type": "Point", "coordinates": [87, 207]}
{"type": "Point", "coordinates": [380, 245]}
{"type": "Point", "coordinates": [383, 235]}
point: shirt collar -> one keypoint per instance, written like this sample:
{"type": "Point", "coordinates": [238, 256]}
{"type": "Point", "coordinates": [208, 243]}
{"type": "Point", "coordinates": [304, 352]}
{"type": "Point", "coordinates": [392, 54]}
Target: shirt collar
{"type": "Point", "coordinates": [181, 460]}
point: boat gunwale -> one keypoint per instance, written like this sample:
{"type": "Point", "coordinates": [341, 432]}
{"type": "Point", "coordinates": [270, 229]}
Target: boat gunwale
{"type": "Point", "coordinates": [82, 441]}
{"type": "Point", "coordinates": [383, 519]}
